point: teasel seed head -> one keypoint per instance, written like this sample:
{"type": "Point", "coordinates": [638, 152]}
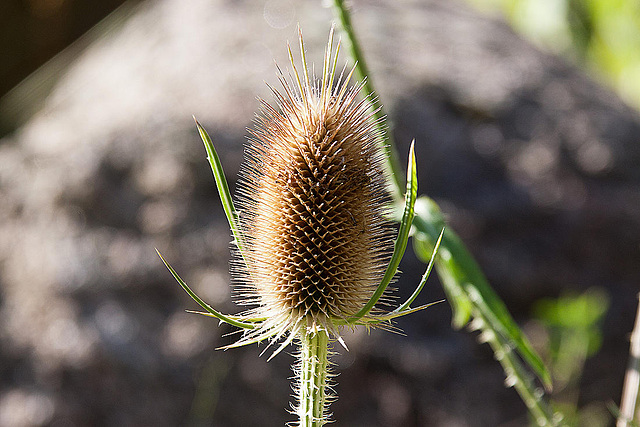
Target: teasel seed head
{"type": "Point", "coordinates": [313, 243]}
{"type": "Point", "coordinates": [312, 201]}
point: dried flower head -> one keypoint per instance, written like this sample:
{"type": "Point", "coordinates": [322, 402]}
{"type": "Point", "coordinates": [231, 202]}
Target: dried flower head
{"type": "Point", "coordinates": [312, 204]}
{"type": "Point", "coordinates": [311, 235]}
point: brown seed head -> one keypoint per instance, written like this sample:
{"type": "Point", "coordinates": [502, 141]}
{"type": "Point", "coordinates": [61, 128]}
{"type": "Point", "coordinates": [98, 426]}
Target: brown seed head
{"type": "Point", "coordinates": [312, 199]}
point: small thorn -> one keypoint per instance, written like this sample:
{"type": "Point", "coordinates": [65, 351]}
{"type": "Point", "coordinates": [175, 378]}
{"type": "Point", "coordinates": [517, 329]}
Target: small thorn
{"type": "Point", "coordinates": [342, 343]}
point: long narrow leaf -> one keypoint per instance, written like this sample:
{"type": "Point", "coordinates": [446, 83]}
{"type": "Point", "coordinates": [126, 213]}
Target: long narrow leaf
{"type": "Point", "coordinates": [466, 287]}
{"type": "Point", "coordinates": [223, 187]}
{"type": "Point", "coordinates": [223, 317]}
{"type": "Point", "coordinates": [425, 276]}
{"type": "Point", "coordinates": [403, 236]}
{"type": "Point", "coordinates": [395, 314]}
{"type": "Point", "coordinates": [244, 320]}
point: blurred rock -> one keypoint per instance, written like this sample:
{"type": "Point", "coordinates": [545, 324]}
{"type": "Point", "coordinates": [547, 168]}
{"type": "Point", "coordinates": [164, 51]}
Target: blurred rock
{"type": "Point", "coordinates": [534, 163]}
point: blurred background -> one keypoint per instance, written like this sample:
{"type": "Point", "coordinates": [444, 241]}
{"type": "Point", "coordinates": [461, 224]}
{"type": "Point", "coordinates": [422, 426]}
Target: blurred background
{"type": "Point", "coordinates": [528, 136]}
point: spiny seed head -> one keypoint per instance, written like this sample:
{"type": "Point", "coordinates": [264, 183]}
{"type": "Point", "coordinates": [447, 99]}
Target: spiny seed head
{"type": "Point", "coordinates": [312, 200]}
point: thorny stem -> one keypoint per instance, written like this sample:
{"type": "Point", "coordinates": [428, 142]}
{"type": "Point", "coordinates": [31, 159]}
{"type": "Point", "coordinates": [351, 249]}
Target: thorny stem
{"type": "Point", "coordinates": [312, 378]}
{"type": "Point", "coordinates": [394, 169]}
{"type": "Point", "coordinates": [631, 385]}
{"type": "Point", "coordinates": [516, 375]}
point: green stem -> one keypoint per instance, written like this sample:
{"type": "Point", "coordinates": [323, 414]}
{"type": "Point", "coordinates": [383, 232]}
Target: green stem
{"type": "Point", "coordinates": [312, 378]}
{"type": "Point", "coordinates": [394, 169]}
{"type": "Point", "coordinates": [517, 375]}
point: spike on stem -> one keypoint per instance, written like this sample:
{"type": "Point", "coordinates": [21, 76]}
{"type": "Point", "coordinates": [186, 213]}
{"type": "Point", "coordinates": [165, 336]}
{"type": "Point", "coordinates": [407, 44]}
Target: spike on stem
{"type": "Point", "coordinates": [313, 379]}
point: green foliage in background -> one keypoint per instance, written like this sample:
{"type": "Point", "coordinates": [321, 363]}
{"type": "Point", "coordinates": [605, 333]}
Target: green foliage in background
{"type": "Point", "coordinates": [573, 325]}
{"type": "Point", "coordinates": [603, 35]}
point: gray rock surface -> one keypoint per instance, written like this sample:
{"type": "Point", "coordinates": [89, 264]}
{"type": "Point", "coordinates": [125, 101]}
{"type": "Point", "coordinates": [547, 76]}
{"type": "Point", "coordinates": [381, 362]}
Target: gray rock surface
{"type": "Point", "coordinates": [535, 165]}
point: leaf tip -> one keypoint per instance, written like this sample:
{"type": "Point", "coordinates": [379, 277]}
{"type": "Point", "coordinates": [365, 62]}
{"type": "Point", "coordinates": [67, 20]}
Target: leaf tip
{"type": "Point", "coordinates": [160, 255]}
{"type": "Point", "coordinates": [411, 167]}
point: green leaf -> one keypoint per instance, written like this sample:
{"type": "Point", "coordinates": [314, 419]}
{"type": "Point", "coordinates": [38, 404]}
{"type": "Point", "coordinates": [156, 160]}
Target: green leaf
{"type": "Point", "coordinates": [223, 187]}
{"type": "Point", "coordinates": [466, 287]}
{"type": "Point", "coordinates": [403, 236]}
{"type": "Point", "coordinates": [222, 317]}
{"type": "Point", "coordinates": [396, 313]}
{"type": "Point", "coordinates": [425, 276]}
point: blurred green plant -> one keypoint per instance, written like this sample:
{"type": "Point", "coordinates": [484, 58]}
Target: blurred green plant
{"type": "Point", "coordinates": [573, 328]}
{"type": "Point", "coordinates": [603, 35]}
